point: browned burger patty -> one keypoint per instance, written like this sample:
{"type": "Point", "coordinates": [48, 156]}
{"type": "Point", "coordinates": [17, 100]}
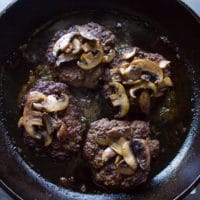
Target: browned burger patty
{"type": "Point", "coordinates": [51, 120]}
{"type": "Point", "coordinates": [69, 70]}
{"type": "Point", "coordinates": [120, 152]}
{"type": "Point", "coordinates": [137, 78]}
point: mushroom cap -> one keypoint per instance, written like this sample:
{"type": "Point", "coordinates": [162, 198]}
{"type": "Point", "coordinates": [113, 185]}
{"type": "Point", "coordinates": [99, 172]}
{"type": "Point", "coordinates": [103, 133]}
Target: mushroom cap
{"type": "Point", "coordinates": [149, 66]}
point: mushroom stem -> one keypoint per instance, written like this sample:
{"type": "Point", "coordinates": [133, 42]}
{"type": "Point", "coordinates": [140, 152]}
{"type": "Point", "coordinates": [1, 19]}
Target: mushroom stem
{"type": "Point", "coordinates": [107, 154]}
{"type": "Point", "coordinates": [129, 156]}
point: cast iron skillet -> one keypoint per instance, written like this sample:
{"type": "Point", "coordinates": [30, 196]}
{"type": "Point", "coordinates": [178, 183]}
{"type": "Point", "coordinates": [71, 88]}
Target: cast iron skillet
{"type": "Point", "coordinates": [20, 20]}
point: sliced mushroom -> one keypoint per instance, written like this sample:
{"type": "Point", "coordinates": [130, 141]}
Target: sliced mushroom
{"type": "Point", "coordinates": [129, 53]}
{"type": "Point", "coordinates": [76, 45]}
{"type": "Point", "coordinates": [149, 66]}
{"type": "Point", "coordinates": [167, 82]}
{"type": "Point", "coordinates": [145, 101]}
{"type": "Point", "coordinates": [117, 145]}
{"type": "Point", "coordinates": [109, 57]}
{"type": "Point", "coordinates": [47, 138]}
{"type": "Point", "coordinates": [123, 168]}
{"type": "Point", "coordinates": [119, 131]}
{"type": "Point", "coordinates": [128, 155]}
{"type": "Point", "coordinates": [131, 73]}
{"type": "Point", "coordinates": [85, 33]}
{"type": "Point", "coordinates": [53, 104]}
{"type": "Point", "coordinates": [63, 58]}
{"type": "Point", "coordinates": [32, 118]}
{"type": "Point", "coordinates": [107, 154]}
{"type": "Point", "coordinates": [62, 132]}
{"type": "Point", "coordinates": [91, 45]}
{"type": "Point", "coordinates": [47, 121]}
{"type": "Point", "coordinates": [89, 60]}
{"type": "Point", "coordinates": [144, 86]}
{"type": "Point", "coordinates": [63, 42]}
{"type": "Point", "coordinates": [120, 99]}
{"type": "Point", "coordinates": [130, 82]}
{"type": "Point", "coordinates": [141, 150]}
{"type": "Point", "coordinates": [164, 63]}
{"type": "Point", "coordinates": [115, 75]}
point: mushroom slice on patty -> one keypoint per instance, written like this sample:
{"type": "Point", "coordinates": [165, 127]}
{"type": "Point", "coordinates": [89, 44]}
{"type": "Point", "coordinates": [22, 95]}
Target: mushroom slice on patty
{"type": "Point", "coordinates": [128, 155]}
{"type": "Point", "coordinates": [123, 168]}
{"type": "Point", "coordinates": [131, 73]}
{"type": "Point", "coordinates": [109, 57]}
{"type": "Point", "coordinates": [53, 103]}
{"type": "Point", "coordinates": [129, 53]}
{"type": "Point", "coordinates": [141, 150]}
{"type": "Point", "coordinates": [144, 85]}
{"type": "Point", "coordinates": [149, 66]}
{"type": "Point", "coordinates": [62, 43]}
{"type": "Point", "coordinates": [120, 99]}
{"type": "Point", "coordinates": [167, 82]}
{"type": "Point", "coordinates": [123, 149]}
{"type": "Point", "coordinates": [107, 154]}
{"type": "Point", "coordinates": [164, 63]}
{"type": "Point", "coordinates": [32, 118]}
{"type": "Point", "coordinates": [63, 58]}
{"type": "Point", "coordinates": [90, 60]}
{"type": "Point", "coordinates": [117, 145]}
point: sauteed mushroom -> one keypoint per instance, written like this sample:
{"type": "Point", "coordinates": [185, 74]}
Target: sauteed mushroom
{"type": "Point", "coordinates": [63, 42]}
{"type": "Point", "coordinates": [120, 99]}
{"type": "Point", "coordinates": [129, 53]}
{"type": "Point", "coordinates": [142, 86]}
{"type": "Point", "coordinates": [128, 155]}
{"type": "Point", "coordinates": [143, 76]}
{"type": "Point", "coordinates": [87, 44]}
{"type": "Point", "coordinates": [125, 159]}
{"type": "Point", "coordinates": [117, 145]}
{"type": "Point", "coordinates": [89, 60]}
{"type": "Point", "coordinates": [164, 63]}
{"type": "Point", "coordinates": [149, 66]}
{"type": "Point", "coordinates": [109, 57]}
{"type": "Point", "coordinates": [53, 103]}
{"type": "Point", "coordinates": [131, 73]}
{"type": "Point", "coordinates": [32, 118]}
{"type": "Point", "coordinates": [124, 168]}
{"type": "Point", "coordinates": [63, 58]}
{"type": "Point", "coordinates": [107, 154]}
{"type": "Point", "coordinates": [55, 133]}
{"type": "Point", "coordinates": [141, 150]}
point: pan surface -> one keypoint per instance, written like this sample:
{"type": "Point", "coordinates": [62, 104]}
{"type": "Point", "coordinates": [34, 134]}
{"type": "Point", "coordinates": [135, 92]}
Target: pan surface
{"type": "Point", "coordinates": [172, 19]}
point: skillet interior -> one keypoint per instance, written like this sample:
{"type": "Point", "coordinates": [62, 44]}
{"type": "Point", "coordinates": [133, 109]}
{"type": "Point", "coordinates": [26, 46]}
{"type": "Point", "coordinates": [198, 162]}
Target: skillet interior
{"type": "Point", "coordinates": [21, 175]}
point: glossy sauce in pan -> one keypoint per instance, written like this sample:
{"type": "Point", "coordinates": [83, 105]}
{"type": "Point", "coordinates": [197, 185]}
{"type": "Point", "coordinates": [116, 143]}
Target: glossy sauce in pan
{"type": "Point", "coordinates": [169, 119]}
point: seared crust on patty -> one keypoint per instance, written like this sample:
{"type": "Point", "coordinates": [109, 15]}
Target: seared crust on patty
{"type": "Point", "coordinates": [70, 118]}
{"type": "Point", "coordinates": [106, 172]}
{"type": "Point", "coordinates": [70, 72]}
